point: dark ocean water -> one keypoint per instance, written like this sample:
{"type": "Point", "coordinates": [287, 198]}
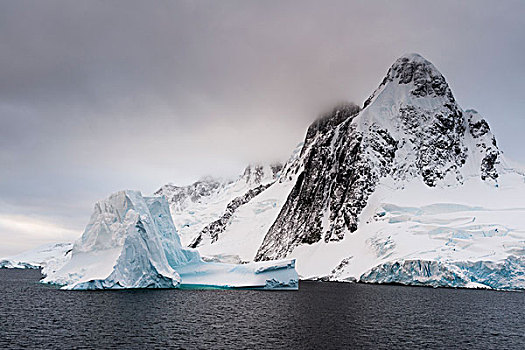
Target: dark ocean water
{"type": "Point", "coordinates": [318, 316]}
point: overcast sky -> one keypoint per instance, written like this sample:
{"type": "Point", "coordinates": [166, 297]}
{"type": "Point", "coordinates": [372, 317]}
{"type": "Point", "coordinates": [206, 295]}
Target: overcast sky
{"type": "Point", "coordinates": [98, 96]}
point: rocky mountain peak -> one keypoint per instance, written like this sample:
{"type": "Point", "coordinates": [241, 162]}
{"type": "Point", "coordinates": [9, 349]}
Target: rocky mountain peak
{"type": "Point", "coordinates": [415, 106]}
{"type": "Point", "coordinates": [425, 78]}
{"type": "Point", "coordinates": [410, 128]}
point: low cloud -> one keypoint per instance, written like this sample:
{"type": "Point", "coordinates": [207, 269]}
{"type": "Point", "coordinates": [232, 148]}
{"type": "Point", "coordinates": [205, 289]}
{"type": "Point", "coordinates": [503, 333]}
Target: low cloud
{"type": "Point", "coordinates": [18, 232]}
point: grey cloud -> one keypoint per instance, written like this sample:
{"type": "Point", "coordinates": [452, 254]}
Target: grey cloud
{"type": "Point", "coordinates": [96, 96]}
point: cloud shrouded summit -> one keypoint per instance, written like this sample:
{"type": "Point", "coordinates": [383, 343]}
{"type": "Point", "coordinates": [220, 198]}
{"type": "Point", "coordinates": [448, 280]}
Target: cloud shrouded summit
{"type": "Point", "coordinates": [97, 97]}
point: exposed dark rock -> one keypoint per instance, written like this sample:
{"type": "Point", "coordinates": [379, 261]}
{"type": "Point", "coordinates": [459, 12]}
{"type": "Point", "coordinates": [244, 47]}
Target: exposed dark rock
{"type": "Point", "coordinates": [214, 229]}
{"type": "Point", "coordinates": [337, 179]}
{"type": "Point", "coordinates": [488, 166]}
{"type": "Point", "coordinates": [437, 140]}
{"type": "Point", "coordinates": [486, 144]}
{"type": "Point", "coordinates": [427, 80]}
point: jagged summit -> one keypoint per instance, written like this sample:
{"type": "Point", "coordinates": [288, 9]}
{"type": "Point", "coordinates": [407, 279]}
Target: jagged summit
{"type": "Point", "coordinates": [425, 79]}
{"type": "Point", "coordinates": [410, 66]}
{"type": "Point", "coordinates": [412, 60]}
{"type": "Point", "coordinates": [415, 106]}
{"type": "Point", "coordinates": [181, 197]}
{"type": "Point", "coordinates": [415, 69]}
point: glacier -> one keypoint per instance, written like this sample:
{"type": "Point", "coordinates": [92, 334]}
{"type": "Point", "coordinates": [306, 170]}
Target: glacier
{"type": "Point", "coordinates": [131, 242]}
{"type": "Point", "coordinates": [203, 209]}
{"type": "Point", "coordinates": [470, 236]}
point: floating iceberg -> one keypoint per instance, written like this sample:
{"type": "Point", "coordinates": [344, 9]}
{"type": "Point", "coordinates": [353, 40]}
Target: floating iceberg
{"type": "Point", "coordinates": [131, 242]}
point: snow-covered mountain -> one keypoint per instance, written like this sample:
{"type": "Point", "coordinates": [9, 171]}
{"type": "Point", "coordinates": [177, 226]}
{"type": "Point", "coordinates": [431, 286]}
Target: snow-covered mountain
{"type": "Point", "coordinates": [202, 210]}
{"type": "Point", "coordinates": [410, 128]}
{"type": "Point", "coordinates": [410, 180]}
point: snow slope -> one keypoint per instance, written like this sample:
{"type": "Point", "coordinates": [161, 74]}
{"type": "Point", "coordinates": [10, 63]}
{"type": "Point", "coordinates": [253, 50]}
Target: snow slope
{"type": "Point", "coordinates": [204, 202]}
{"type": "Point", "coordinates": [243, 235]}
{"type": "Point", "coordinates": [242, 238]}
{"type": "Point", "coordinates": [131, 242]}
{"type": "Point", "coordinates": [469, 225]}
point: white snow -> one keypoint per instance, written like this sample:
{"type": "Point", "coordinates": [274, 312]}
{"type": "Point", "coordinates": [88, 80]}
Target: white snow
{"type": "Point", "coordinates": [193, 207]}
{"type": "Point", "coordinates": [49, 257]}
{"type": "Point", "coordinates": [244, 235]}
{"type": "Point", "coordinates": [462, 227]}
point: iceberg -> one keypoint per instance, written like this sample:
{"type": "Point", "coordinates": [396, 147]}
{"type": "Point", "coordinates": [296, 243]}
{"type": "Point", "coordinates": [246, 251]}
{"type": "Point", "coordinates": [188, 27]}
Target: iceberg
{"type": "Point", "coordinates": [131, 242]}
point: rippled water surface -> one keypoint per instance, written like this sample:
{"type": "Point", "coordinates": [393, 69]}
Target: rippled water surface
{"type": "Point", "coordinates": [318, 316]}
